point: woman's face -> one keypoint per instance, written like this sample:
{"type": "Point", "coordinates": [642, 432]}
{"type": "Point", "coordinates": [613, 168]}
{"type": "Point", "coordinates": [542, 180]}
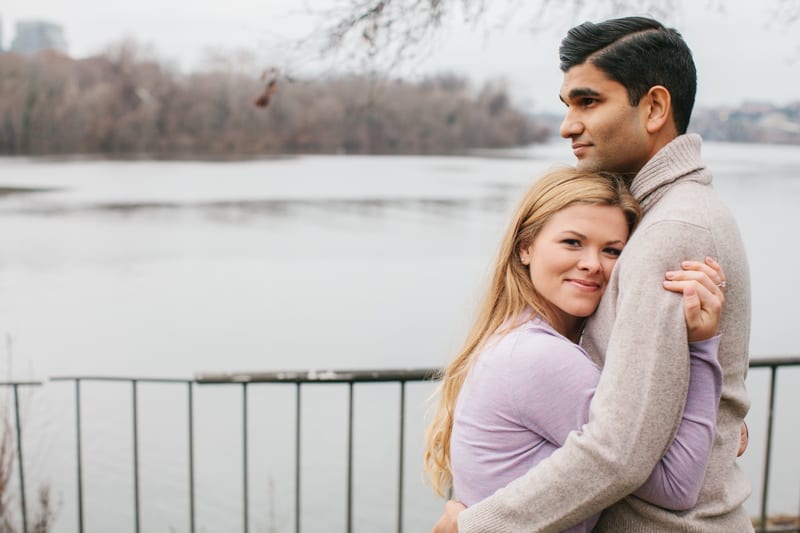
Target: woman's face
{"type": "Point", "coordinates": [571, 258]}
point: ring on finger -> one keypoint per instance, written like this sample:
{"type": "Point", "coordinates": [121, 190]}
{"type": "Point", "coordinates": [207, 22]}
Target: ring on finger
{"type": "Point", "coordinates": [722, 284]}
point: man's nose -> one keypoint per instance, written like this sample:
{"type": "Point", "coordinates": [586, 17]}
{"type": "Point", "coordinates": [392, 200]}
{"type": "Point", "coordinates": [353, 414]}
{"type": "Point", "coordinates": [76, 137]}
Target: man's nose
{"type": "Point", "coordinates": [570, 126]}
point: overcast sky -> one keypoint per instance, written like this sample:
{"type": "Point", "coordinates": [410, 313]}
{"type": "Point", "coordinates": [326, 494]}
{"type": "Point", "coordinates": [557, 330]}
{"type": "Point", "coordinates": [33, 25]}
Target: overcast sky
{"type": "Point", "coordinates": [742, 54]}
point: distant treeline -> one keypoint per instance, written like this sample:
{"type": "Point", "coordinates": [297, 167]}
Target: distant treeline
{"type": "Point", "coordinates": [750, 122]}
{"type": "Point", "coordinates": [119, 105]}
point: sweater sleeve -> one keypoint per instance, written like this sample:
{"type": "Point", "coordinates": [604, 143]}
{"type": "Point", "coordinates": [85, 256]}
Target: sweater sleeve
{"type": "Point", "coordinates": [553, 388]}
{"type": "Point", "coordinates": [551, 385]}
{"type": "Point", "coordinates": [637, 406]}
{"type": "Point", "coordinates": [678, 477]}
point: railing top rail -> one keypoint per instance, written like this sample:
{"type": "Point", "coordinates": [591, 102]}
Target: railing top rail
{"type": "Point", "coordinates": [120, 378]}
{"type": "Point", "coordinates": [326, 376]}
{"type": "Point", "coordinates": [417, 374]}
{"type": "Point", "coordinates": [320, 376]}
{"type": "Point", "coordinates": [777, 360]}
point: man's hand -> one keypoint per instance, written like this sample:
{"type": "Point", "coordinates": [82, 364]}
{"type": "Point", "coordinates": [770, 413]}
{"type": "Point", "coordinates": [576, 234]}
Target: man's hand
{"type": "Point", "coordinates": [448, 523]}
{"type": "Point", "coordinates": [744, 439]}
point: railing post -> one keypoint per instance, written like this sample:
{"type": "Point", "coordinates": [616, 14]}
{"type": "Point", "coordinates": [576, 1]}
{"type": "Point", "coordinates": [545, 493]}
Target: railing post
{"type": "Point", "coordinates": [245, 490]}
{"type": "Point", "coordinates": [19, 458]}
{"type": "Point", "coordinates": [350, 458]}
{"type": "Point", "coordinates": [297, 461]}
{"type": "Point", "coordinates": [135, 402]}
{"type": "Point", "coordinates": [401, 453]}
{"type": "Point", "coordinates": [768, 453]}
{"type": "Point", "coordinates": [191, 456]}
{"type": "Point", "coordinates": [78, 451]}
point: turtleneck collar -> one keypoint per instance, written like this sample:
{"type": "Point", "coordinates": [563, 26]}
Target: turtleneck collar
{"type": "Point", "coordinates": [680, 158]}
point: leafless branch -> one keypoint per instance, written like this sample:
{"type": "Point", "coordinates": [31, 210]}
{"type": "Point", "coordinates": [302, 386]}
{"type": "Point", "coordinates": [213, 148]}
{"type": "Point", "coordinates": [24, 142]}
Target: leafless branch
{"type": "Point", "coordinates": [389, 32]}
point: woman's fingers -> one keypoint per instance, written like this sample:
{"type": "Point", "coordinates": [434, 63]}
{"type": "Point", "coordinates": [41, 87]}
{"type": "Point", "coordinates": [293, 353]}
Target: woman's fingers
{"type": "Point", "coordinates": [692, 307]}
{"type": "Point", "coordinates": [707, 273]}
{"type": "Point", "coordinates": [702, 308]}
{"type": "Point", "coordinates": [710, 300]}
{"type": "Point", "coordinates": [709, 267]}
{"type": "Point", "coordinates": [702, 284]}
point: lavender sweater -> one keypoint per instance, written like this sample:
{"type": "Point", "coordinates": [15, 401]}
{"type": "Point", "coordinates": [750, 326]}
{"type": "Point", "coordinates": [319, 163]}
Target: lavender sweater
{"type": "Point", "coordinates": [531, 387]}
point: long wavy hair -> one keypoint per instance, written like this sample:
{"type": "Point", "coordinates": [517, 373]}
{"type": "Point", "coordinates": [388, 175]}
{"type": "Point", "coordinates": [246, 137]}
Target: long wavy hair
{"type": "Point", "coordinates": [511, 297]}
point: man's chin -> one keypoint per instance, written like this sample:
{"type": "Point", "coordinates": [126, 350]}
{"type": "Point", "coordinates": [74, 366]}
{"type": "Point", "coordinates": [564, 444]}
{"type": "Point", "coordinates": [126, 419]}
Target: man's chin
{"type": "Point", "coordinates": [587, 165]}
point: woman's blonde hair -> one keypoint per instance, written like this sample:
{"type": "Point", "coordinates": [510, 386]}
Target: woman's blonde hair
{"type": "Point", "coordinates": [511, 298]}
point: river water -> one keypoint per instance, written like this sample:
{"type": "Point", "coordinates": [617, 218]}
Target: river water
{"type": "Point", "coordinates": [165, 269]}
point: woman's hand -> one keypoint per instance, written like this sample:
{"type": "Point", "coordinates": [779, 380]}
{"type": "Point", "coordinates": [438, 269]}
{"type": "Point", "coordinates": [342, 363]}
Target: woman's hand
{"type": "Point", "coordinates": [702, 285]}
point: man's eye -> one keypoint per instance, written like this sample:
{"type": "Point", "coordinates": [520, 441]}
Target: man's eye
{"type": "Point", "coordinates": [586, 102]}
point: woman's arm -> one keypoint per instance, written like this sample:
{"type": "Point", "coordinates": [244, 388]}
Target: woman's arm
{"type": "Point", "coordinates": [676, 480]}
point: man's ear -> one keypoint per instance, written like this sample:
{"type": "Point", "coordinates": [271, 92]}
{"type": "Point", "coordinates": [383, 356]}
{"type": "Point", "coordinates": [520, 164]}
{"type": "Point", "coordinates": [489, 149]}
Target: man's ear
{"type": "Point", "coordinates": [659, 109]}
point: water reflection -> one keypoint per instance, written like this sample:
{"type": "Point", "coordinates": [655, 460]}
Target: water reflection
{"type": "Point", "coordinates": [242, 210]}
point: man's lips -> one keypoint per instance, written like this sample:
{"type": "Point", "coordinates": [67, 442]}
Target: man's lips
{"type": "Point", "coordinates": [579, 148]}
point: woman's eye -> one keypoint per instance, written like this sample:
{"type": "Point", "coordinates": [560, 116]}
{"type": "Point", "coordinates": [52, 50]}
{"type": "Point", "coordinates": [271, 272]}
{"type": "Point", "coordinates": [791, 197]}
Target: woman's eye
{"type": "Point", "coordinates": [572, 242]}
{"type": "Point", "coordinates": [613, 251]}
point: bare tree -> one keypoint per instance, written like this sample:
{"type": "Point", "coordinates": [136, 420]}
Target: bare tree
{"type": "Point", "coordinates": [390, 32]}
{"type": "Point", "coordinates": [397, 30]}
{"type": "Point", "coordinates": [123, 104]}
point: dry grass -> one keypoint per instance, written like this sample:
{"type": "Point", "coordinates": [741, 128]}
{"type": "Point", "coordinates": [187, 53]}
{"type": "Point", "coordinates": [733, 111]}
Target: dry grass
{"type": "Point", "coordinates": [40, 521]}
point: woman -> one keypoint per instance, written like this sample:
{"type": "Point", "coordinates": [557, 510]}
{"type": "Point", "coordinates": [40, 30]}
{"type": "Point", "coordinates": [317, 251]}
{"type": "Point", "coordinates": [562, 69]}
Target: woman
{"type": "Point", "coordinates": [521, 383]}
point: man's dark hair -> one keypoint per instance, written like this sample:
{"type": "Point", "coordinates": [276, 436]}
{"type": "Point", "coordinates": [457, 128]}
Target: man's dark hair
{"type": "Point", "coordinates": [639, 53]}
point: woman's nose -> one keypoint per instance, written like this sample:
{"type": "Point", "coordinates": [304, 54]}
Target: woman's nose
{"type": "Point", "coordinates": [590, 262]}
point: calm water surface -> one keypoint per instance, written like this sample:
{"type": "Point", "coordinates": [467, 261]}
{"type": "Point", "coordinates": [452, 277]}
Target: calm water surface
{"type": "Point", "coordinates": [171, 268]}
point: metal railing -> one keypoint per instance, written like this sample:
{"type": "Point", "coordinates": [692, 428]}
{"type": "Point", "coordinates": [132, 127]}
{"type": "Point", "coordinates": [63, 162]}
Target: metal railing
{"type": "Point", "coordinates": [773, 363]}
{"type": "Point", "coordinates": [17, 426]}
{"type": "Point", "coordinates": [298, 380]}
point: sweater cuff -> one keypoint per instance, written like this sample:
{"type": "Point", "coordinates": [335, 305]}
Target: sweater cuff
{"type": "Point", "coordinates": [476, 520]}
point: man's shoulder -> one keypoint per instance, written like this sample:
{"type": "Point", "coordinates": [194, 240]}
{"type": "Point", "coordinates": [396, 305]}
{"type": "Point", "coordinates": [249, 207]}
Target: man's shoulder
{"type": "Point", "coordinates": [692, 202]}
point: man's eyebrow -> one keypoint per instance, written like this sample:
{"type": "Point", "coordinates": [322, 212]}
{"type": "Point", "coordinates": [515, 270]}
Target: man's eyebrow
{"type": "Point", "coordinates": [580, 92]}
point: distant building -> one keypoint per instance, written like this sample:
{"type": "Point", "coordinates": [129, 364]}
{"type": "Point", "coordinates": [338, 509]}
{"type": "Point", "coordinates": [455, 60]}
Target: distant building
{"type": "Point", "coordinates": [35, 35]}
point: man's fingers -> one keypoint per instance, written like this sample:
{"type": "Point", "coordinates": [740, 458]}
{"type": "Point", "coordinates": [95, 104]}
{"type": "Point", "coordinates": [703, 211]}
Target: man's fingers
{"type": "Point", "coordinates": [454, 507]}
{"type": "Point", "coordinates": [448, 522]}
{"type": "Point", "coordinates": [744, 439]}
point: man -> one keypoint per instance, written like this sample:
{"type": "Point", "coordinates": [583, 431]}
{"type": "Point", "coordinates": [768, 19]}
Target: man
{"type": "Point", "coordinates": [629, 87]}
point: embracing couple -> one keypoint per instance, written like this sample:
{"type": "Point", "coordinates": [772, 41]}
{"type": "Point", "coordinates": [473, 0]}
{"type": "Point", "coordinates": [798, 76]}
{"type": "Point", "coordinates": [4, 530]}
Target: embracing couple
{"type": "Point", "coordinates": [588, 394]}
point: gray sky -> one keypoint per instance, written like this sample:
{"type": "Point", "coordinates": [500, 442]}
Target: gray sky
{"type": "Point", "coordinates": [742, 54]}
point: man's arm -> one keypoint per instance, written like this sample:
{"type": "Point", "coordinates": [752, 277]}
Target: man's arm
{"type": "Point", "coordinates": [677, 478]}
{"type": "Point", "coordinates": [635, 411]}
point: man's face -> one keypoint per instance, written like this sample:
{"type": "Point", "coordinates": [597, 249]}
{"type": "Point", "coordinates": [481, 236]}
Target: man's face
{"type": "Point", "coordinates": [606, 131]}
